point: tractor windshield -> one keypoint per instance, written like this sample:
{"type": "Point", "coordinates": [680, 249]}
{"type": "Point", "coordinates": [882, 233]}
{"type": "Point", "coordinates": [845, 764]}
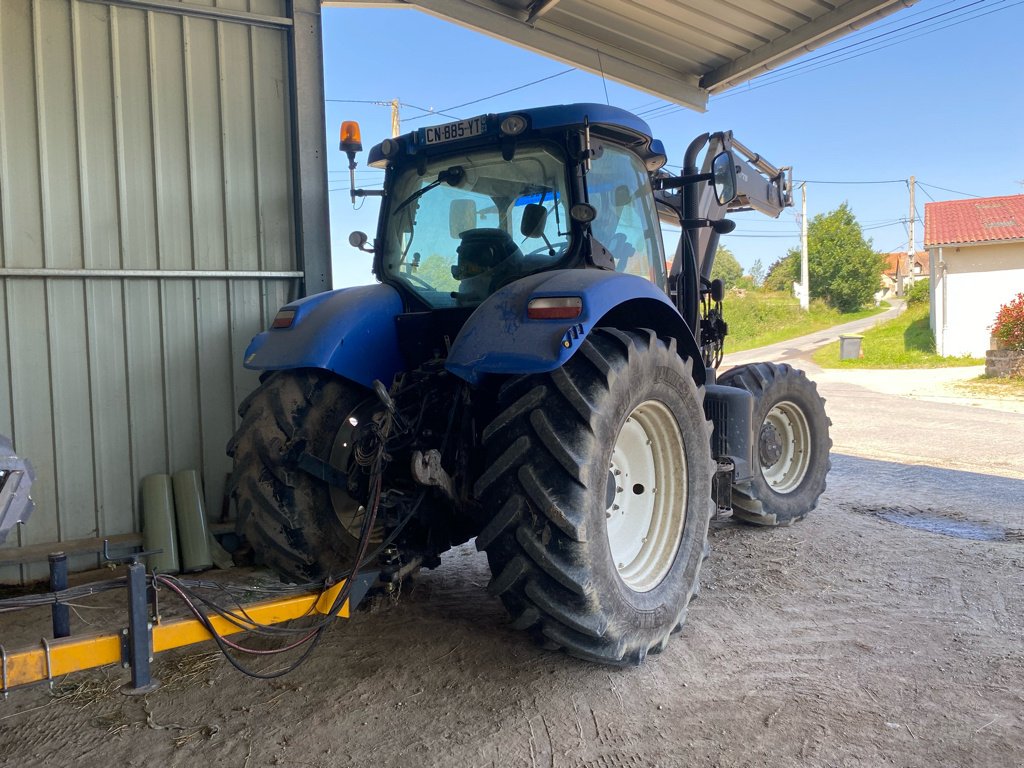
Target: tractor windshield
{"type": "Point", "coordinates": [475, 222]}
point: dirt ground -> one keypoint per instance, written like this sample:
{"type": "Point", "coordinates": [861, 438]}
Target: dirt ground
{"type": "Point", "coordinates": [886, 629]}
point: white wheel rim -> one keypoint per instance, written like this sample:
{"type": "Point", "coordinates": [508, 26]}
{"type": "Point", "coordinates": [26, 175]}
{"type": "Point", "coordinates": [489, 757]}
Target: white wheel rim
{"type": "Point", "coordinates": [784, 447]}
{"type": "Point", "coordinates": [347, 510]}
{"type": "Point", "coordinates": [647, 487]}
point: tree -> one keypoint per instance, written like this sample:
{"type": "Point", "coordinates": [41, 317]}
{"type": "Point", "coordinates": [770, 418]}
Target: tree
{"type": "Point", "coordinates": [726, 268]}
{"type": "Point", "coordinates": [843, 267]}
{"type": "Point", "coordinates": [919, 292]}
{"type": "Point", "coordinates": [783, 273]}
{"type": "Point", "coordinates": [757, 273]}
{"type": "Point", "coordinates": [437, 271]}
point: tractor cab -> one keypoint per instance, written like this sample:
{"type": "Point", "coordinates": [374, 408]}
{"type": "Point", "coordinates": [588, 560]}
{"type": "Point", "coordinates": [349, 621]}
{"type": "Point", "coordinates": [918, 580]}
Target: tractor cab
{"type": "Point", "coordinates": [473, 206]}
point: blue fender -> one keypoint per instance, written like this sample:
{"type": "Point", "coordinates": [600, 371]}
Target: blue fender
{"type": "Point", "coordinates": [350, 332]}
{"type": "Point", "coordinates": [500, 338]}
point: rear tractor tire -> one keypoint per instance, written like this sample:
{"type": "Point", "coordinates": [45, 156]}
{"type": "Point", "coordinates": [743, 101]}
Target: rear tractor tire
{"type": "Point", "coordinates": [296, 524]}
{"type": "Point", "coordinates": [599, 482]}
{"type": "Point", "coordinates": [791, 444]}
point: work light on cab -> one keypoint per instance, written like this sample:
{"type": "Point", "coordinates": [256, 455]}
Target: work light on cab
{"type": "Point", "coordinates": [513, 125]}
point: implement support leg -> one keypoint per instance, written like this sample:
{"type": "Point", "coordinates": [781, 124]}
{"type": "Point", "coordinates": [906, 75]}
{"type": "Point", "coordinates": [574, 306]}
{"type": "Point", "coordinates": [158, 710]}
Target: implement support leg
{"type": "Point", "coordinates": [140, 633]}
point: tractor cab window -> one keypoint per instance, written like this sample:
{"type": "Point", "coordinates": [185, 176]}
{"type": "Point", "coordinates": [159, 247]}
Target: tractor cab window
{"type": "Point", "coordinates": [627, 223]}
{"type": "Point", "coordinates": [473, 223]}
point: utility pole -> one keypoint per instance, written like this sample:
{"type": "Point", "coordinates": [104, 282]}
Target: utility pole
{"type": "Point", "coordinates": [910, 240]}
{"type": "Point", "coordinates": [805, 280]}
{"type": "Point", "coordinates": [396, 123]}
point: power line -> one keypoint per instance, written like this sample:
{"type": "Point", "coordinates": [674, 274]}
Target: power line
{"type": "Point", "coordinates": [645, 105]}
{"type": "Point", "coordinates": [346, 189]}
{"type": "Point", "coordinates": [811, 65]}
{"type": "Point", "coordinates": [428, 112]}
{"type": "Point", "coordinates": [926, 193]}
{"type": "Point", "coordinates": [772, 78]}
{"type": "Point", "coordinates": [860, 43]}
{"type": "Point", "coordinates": [767, 237]}
{"type": "Point", "coordinates": [882, 181]}
{"type": "Point", "coordinates": [495, 95]}
{"type": "Point", "coordinates": [382, 103]}
{"type": "Point", "coordinates": [377, 102]}
{"type": "Point", "coordinates": [895, 19]}
{"type": "Point", "coordinates": [944, 189]}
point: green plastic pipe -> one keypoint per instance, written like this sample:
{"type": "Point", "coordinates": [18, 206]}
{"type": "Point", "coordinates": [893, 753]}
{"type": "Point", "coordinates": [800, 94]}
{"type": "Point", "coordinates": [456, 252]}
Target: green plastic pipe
{"type": "Point", "coordinates": [158, 529]}
{"type": "Point", "coordinates": [191, 515]}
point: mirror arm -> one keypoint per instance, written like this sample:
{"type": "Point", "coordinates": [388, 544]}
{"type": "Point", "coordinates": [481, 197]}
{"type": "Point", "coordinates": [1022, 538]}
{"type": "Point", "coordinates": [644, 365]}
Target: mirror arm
{"type": "Point", "coordinates": [367, 193]}
{"type": "Point", "coordinates": [351, 173]}
{"type": "Point", "coordinates": [681, 181]}
{"type": "Point", "coordinates": [721, 226]}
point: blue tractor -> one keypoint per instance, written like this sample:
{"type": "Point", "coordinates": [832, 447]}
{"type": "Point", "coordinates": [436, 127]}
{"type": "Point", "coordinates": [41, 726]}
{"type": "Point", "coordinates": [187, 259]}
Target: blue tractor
{"type": "Point", "coordinates": [528, 371]}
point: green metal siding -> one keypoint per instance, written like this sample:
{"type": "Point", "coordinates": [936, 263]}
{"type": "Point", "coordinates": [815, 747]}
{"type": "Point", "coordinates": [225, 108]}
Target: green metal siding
{"type": "Point", "coordinates": [153, 137]}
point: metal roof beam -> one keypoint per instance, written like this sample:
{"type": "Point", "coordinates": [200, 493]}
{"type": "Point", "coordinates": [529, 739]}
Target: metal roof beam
{"type": "Point", "coordinates": [539, 8]}
{"type": "Point", "coordinates": [510, 24]}
{"type": "Point", "coordinates": [840, 21]}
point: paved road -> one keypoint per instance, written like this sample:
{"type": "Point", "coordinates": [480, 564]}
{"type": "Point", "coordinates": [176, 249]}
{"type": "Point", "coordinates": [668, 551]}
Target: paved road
{"type": "Point", "coordinates": [804, 345]}
{"type": "Point", "coordinates": [926, 447]}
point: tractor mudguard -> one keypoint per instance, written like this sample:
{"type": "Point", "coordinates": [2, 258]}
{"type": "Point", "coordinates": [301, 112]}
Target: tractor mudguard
{"type": "Point", "coordinates": [350, 332]}
{"type": "Point", "coordinates": [500, 338]}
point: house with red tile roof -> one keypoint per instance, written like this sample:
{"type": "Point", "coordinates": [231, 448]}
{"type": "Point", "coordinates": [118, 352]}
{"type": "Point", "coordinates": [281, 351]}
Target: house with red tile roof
{"type": "Point", "coordinates": [976, 250]}
{"type": "Point", "coordinates": [902, 270]}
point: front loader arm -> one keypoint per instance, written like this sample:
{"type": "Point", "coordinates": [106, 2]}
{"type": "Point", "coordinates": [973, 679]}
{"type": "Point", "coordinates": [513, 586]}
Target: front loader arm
{"type": "Point", "coordinates": [760, 186]}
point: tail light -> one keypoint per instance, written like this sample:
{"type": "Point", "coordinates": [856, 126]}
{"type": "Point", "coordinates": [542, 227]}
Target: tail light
{"type": "Point", "coordinates": [555, 308]}
{"type": "Point", "coordinates": [284, 319]}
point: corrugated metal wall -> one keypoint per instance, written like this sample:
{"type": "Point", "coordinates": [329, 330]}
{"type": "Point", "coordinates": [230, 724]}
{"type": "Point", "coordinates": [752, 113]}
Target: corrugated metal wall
{"type": "Point", "coordinates": [156, 141]}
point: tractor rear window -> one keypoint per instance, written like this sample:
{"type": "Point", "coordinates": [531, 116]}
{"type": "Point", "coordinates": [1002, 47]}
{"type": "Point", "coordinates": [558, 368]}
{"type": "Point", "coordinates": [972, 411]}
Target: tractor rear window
{"type": "Point", "coordinates": [473, 223]}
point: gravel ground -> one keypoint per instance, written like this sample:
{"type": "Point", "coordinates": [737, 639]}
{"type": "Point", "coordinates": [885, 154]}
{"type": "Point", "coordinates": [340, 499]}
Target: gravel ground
{"type": "Point", "coordinates": [886, 629]}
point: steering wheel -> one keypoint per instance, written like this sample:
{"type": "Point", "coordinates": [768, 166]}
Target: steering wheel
{"type": "Point", "coordinates": [621, 250]}
{"type": "Point", "coordinates": [546, 251]}
{"type": "Point", "coordinates": [416, 280]}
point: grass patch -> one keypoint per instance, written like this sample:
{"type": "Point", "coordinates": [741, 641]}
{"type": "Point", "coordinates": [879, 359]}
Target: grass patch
{"type": "Point", "coordinates": [759, 318]}
{"type": "Point", "coordinates": [993, 386]}
{"type": "Point", "coordinates": [904, 342]}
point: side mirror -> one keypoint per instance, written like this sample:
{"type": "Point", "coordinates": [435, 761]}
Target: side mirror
{"type": "Point", "coordinates": [461, 216]}
{"type": "Point", "coordinates": [717, 290]}
{"type": "Point", "coordinates": [723, 172]}
{"type": "Point", "coordinates": [535, 218]}
{"type": "Point", "coordinates": [358, 240]}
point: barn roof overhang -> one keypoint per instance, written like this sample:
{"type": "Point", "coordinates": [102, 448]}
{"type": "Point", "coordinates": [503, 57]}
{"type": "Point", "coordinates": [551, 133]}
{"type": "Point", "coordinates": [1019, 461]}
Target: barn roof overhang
{"type": "Point", "coordinates": [679, 50]}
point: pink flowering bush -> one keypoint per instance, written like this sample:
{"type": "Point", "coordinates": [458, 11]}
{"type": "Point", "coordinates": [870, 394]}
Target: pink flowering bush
{"type": "Point", "coordinates": [1009, 325]}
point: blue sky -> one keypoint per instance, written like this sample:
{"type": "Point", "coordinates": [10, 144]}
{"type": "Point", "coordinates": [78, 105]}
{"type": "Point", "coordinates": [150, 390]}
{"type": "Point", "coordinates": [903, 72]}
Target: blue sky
{"type": "Point", "coordinates": [942, 100]}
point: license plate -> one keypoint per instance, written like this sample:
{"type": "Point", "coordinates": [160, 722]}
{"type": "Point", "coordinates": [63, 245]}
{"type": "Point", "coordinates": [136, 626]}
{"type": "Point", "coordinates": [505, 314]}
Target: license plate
{"type": "Point", "coordinates": [464, 129]}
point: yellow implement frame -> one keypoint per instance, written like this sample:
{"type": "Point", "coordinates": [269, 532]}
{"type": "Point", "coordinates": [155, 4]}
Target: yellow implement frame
{"type": "Point", "coordinates": [54, 658]}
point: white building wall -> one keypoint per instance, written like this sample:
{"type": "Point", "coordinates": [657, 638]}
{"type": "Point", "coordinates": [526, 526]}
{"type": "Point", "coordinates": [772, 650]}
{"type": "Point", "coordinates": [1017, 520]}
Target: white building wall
{"type": "Point", "coordinates": [978, 280]}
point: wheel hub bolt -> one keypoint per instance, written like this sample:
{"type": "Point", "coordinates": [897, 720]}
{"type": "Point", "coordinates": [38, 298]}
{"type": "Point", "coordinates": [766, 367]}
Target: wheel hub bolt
{"type": "Point", "coordinates": [769, 445]}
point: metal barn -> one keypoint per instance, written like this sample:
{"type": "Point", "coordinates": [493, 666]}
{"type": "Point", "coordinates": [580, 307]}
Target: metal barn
{"type": "Point", "coordinates": [163, 190]}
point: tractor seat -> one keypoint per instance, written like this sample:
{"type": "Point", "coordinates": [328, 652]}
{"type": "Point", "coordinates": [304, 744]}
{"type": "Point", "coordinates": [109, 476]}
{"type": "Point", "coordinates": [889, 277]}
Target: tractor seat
{"type": "Point", "coordinates": [486, 258]}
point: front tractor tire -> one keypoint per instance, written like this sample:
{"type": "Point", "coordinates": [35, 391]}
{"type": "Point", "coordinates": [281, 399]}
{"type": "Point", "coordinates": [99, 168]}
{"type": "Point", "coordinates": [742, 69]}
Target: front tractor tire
{"type": "Point", "coordinates": [791, 444]}
{"type": "Point", "coordinates": [599, 482]}
{"type": "Point", "coordinates": [296, 524]}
